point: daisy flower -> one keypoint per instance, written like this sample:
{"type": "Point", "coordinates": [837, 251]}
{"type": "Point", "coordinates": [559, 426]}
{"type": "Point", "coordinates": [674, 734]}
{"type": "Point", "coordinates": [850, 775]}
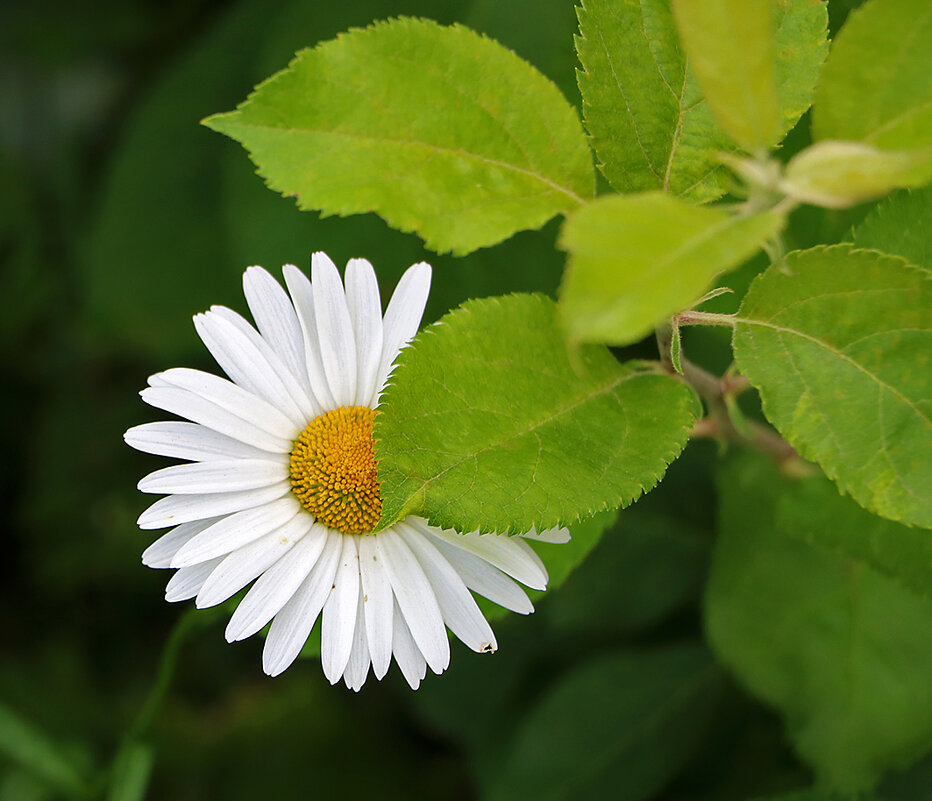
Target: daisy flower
{"type": "Point", "coordinates": [281, 488]}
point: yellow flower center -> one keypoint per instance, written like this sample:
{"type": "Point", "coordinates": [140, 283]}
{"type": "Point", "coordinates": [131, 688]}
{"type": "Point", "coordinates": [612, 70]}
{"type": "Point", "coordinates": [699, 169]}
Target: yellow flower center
{"type": "Point", "coordinates": [333, 470]}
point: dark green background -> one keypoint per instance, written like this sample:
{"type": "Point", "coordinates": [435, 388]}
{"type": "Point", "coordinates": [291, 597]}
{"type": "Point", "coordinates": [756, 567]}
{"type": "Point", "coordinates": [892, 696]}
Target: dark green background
{"type": "Point", "coordinates": [120, 217]}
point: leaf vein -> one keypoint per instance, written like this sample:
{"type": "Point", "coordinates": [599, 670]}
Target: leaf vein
{"type": "Point", "coordinates": [413, 143]}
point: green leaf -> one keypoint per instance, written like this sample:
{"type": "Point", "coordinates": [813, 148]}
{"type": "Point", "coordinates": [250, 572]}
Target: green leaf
{"type": "Point", "coordinates": [900, 225]}
{"type": "Point", "coordinates": [877, 83]}
{"type": "Point", "coordinates": [843, 652]}
{"type": "Point", "coordinates": [730, 44]}
{"type": "Point", "coordinates": [263, 227]}
{"type": "Point", "coordinates": [838, 342]}
{"type": "Point", "coordinates": [489, 415]}
{"type": "Point", "coordinates": [131, 773]}
{"type": "Point", "coordinates": [801, 45]}
{"type": "Point", "coordinates": [840, 174]}
{"type": "Point", "coordinates": [437, 129]}
{"type": "Point", "coordinates": [22, 742]}
{"type": "Point", "coordinates": [139, 287]}
{"type": "Point", "coordinates": [649, 123]}
{"type": "Point", "coordinates": [637, 259]}
{"type": "Point", "coordinates": [814, 511]}
{"type": "Point", "coordinates": [619, 726]}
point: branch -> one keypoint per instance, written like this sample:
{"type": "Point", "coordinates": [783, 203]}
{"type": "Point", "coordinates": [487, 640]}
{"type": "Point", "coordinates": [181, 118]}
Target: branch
{"type": "Point", "coordinates": [720, 424]}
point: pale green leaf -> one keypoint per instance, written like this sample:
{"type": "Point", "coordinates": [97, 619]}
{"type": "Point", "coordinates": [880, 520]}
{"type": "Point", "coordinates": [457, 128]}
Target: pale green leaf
{"type": "Point", "coordinates": [841, 651]}
{"type": "Point", "coordinates": [649, 123]}
{"type": "Point", "coordinates": [489, 415]}
{"type": "Point", "coordinates": [24, 743]}
{"type": "Point", "coordinates": [900, 225]}
{"type": "Point", "coordinates": [730, 45]}
{"type": "Point", "coordinates": [839, 343]}
{"type": "Point", "coordinates": [813, 510]}
{"type": "Point", "coordinates": [801, 45]}
{"type": "Point", "coordinates": [840, 174]}
{"type": "Point", "coordinates": [877, 83]}
{"type": "Point", "coordinates": [619, 726]}
{"type": "Point", "coordinates": [637, 259]}
{"type": "Point", "coordinates": [437, 129]}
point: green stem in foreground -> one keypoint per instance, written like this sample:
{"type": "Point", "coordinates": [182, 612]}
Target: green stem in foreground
{"type": "Point", "coordinates": [170, 653]}
{"type": "Point", "coordinates": [133, 756]}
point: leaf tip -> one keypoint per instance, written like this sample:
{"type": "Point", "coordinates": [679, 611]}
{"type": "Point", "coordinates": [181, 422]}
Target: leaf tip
{"type": "Point", "coordinates": [219, 122]}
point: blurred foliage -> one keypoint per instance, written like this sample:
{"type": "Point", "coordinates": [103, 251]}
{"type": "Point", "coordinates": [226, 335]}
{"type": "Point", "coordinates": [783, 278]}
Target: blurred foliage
{"type": "Point", "coordinates": [839, 648]}
{"type": "Point", "coordinates": [119, 218]}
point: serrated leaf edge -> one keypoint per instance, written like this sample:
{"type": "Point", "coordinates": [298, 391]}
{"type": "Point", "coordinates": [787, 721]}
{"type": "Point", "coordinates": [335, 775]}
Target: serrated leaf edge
{"type": "Point", "coordinates": [666, 459]}
{"type": "Point", "coordinates": [805, 450]}
{"type": "Point", "coordinates": [346, 210]}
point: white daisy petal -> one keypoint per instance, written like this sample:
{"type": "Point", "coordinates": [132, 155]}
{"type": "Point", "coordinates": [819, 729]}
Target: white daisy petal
{"type": "Point", "coordinates": [238, 349]}
{"type": "Point", "coordinates": [233, 399]}
{"type": "Point", "coordinates": [192, 442]}
{"type": "Point", "coordinates": [365, 311]}
{"type": "Point", "coordinates": [459, 608]}
{"type": "Point", "coordinates": [275, 587]}
{"type": "Point", "coordinates": [301, 294]}
{"type": "Point", "coordinates": [357, 668]}
{"type": "Point", "coordinates": [409, 658]}
{"type": "Point", "coordinates": [486, 580]}
{"type": "Point", "coordinates": [334, 329]}
{"type": "Point", "coordinates": [378, 604]}
{"type": "Point", "coordinates": [251, 561]}
{"type": "Point", "coordinates": [554, 536]}
{"type": "Point", "coordinates": [416, 600]}
{"type": "Point", "coordinates": [298, 389]}
{"type": "Point", "coordinates": [339, 621]}
{"type": "Point", "coordinates": [197, 409]}
{"type": "Point", "coordinates": [187, 582]}
{"type": "Point", "coordinates": [293, 624]}
{"type": "Point", "coordinates": [177, 509]}
{"type": "Point", "coordinates": [160, 553]}
{"type": "Point", "coordinates": [511, 555]}
{"type": "Point", "coordinates": [226, 475]}
{"type": "Point", "coordinates": [276, 320]}
{"type": "Point", "coordinates": [235, 531]}
{"type": "Point", "coordinates": [402, 318]}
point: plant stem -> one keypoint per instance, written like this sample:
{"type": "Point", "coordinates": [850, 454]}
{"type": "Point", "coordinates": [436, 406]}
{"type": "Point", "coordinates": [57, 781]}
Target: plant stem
{"type": "Point", "coordinates": [719, 423]}
{"type": "Point", "coordinates": [170, 653]}
{"type": "Point", "coordinates": [664, 334]}
{"type": "Point", "coordinates": [716, 392]}
{"type": "Point", "coordinates": [693, 317]}
{"type": "Point", "coordinates": [140, 727]}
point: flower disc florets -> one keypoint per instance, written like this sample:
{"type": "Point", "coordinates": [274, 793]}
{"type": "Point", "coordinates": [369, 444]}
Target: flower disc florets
{"type": "Point", "coordinates": [333, 470]}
